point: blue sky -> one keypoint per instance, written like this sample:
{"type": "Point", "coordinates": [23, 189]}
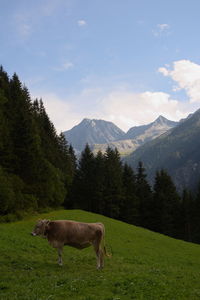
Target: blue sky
{"type": "Point", "coordinates": [125, 61]}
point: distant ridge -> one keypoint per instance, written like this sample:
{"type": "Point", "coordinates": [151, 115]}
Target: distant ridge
{"type": "Point", "coordinates": [156, 128]}
{"type": "Point", "coordinates": [138, 135]}
{"type": "Point", "coordinates": [100, 134]}
{"type": "Point", "coordinates": [177, 151]}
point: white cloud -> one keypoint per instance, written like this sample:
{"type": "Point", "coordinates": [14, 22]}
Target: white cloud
{"type": "Point", "coordinates": [65, 66]}
{"type": "Point", "coordinates": [164, 71]}
{"type": "Point", "coordinates": [124, 107]}
{"type": "Point", "coordinates": [187, 76]}
{"type": "Point", "coordinates": [163, 27]}
{"type": "Point", "coordinates": [127, 109]}
{"type": "Point", "coordinates": [68, 65]}
{"type": "Point", "coordinates": [161, 30]}
{"type": "Point", "coordinates": [60, 111]}
{"type": "Point", "coordinates": [81, 23]}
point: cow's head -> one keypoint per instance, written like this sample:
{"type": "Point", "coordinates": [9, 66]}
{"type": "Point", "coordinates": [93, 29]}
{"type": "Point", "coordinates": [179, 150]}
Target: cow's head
{"type": "Point", "coordinates": [40, 228]}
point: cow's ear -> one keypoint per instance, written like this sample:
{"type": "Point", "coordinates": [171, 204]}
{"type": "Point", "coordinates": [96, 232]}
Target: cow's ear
{"type": "Point", "coordinates": [43, 221]}
{"type": "Point", "coordinates": [47, 223]}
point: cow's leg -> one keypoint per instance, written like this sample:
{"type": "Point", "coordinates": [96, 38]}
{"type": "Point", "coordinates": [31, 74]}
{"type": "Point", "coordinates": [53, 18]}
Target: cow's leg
{"type": "Point", "coordinates": [99, 254]}
{"type": "Point", "coordinates": [60, 262]}
{"type": "Point", "coordinates": [101, 258]}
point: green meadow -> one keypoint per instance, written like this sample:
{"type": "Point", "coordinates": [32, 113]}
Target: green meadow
{"type": "Point", "coordinates": [144, 265]}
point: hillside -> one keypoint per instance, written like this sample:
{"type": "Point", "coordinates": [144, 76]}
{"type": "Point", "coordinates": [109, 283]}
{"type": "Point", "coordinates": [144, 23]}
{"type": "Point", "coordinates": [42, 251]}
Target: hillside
{"type": "Point", "coordinates": [125, 147]}
{"type": "Point", "coordinates": [177, 151]}
{"type": "Point", "coordinates": [145, 265]}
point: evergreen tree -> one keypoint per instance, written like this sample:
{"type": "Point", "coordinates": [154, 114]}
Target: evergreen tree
{"type": "Point", "coordinates": [7, 195]}
{"type": "Point", "coordinates": [144, 194]}
{"type": "Point", "coordinates": [83, 185]}
{"type": "Point", "coordinates": [129, 211]}
{"type": "Point", "coordinates": [69, 203]}
{"type": "Point", "coordinates": [73, 160]}
{"type": "Point", "coordinates": [196, 218]}
{"type": "Point", "coordinates": [35, 163]}
{"type": "Point", "coordinates": [113, 192]}
{"type": "Point", "coordinates": [23, 131]}
{"type": "Point", "coordinates": [187, 213]}
{"type": "Point", "coordinates": [47, 132]}
{"type": "Point", "coordinates": [99, 183]}
{"type": "Point", "coordinates": [6, 145]}
{"type": "Point", "coordinates": [166, 205]}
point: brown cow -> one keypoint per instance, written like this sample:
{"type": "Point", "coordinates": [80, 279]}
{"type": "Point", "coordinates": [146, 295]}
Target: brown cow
{"type": "Point", "coordinates": [76, 234]}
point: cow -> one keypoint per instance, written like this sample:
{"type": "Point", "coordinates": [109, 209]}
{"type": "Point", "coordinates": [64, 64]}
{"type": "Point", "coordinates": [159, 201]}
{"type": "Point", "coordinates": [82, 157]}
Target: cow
{"type": "Point", "coordinates": [75, 234]}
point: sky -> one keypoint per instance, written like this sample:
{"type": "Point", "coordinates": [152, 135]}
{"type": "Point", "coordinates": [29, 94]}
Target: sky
{"type": "Point", "coordinates": [125, 61]}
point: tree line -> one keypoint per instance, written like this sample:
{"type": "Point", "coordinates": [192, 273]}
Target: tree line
{"type": "Point", "coordinates": [36, 164]}
{"type": "Point", "coordinates": [38, 169]}
{"type": "Point", "coordinates": [104, 185]}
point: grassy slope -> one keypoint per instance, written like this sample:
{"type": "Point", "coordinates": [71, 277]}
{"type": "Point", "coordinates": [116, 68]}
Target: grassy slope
{"type": "Point", "coordinates": [144, 265]}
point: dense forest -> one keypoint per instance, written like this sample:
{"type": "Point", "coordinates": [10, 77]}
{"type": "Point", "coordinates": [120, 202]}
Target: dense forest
{"type": "Point", "coordinates": [38, 169]}
{"type": "Point", "coordinates": [36, 164]}
{"type": "Point", "coordinates": [104, 185]}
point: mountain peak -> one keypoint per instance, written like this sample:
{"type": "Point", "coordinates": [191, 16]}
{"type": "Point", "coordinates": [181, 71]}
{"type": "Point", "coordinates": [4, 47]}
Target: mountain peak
{"type": "Point", "coordinates": [150, 131]}
{"type": "Point", "coordinates": [164, 121]}
{"type": "Point", "coordinates": [91, 122]}
{"type": "Point", "coordinates": [93, 131]}
{"type": "Point", "coordinates": [161, 118]}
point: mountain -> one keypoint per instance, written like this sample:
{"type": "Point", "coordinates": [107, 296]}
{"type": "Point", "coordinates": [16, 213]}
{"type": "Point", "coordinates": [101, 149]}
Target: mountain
{"type": "Point", "coordinates": [125, 147]}
{"type": "Point", "coordinates": [150, 131]}
{"type": "Point", "coordinates": [138, 135]}
{"type": "Point", "coordinates": [177, 151]}
{"type": "Point", "coordinates": [93, 132]}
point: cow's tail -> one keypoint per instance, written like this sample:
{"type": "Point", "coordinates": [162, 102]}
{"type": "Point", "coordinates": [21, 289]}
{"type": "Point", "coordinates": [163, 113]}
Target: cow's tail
{"type": "Point", "coordinates": [103, 243]}
{"type": "Point", "coordinates": [106, 253]}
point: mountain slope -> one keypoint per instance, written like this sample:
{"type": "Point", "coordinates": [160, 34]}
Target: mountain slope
{"type": "Point", "coordinates": [144, 265]}
{"type": "Point", "coordinates": [176, 150]}
{"type": "Point", "coordinates": [139, 135]}
{"type": "Point", "coordinates": [93, 132]}
{"type": "Point", "coordinates": [124, 147]}
{"type": "Point", "coordinates": [150, 131]}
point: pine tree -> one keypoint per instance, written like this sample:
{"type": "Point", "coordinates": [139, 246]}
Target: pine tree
{"type": "Point", "coordinates": [187, 213]}
{"type": "Point", "coordinates": [99, 183]}
{"type": "Point", "coordinates": [6, 145]}
{"type": "Point", "coordinates": [113, 192]}
{"type": "Point", "coordinates": [195, 217]}
{"type": "Point", "coordinates": [35, 163]}
{"type": "Point", "coordinates": [129, 211]}
{"type": "Point", "coordinates": [144, 194]}
{"type": "Point", "coordinates": [83, 184]}
{"type": "Point", "coordinates": [166, 205]}
{"type": "Point", "coordinates": [23, 131]}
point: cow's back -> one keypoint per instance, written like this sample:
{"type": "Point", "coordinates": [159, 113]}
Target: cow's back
{"type": "Point", "coordinates": [72, 233]}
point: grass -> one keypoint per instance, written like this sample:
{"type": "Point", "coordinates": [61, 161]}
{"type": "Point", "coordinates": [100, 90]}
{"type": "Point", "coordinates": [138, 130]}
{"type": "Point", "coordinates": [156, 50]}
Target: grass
{"type": "Point", "coordinates": [145, 265]}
